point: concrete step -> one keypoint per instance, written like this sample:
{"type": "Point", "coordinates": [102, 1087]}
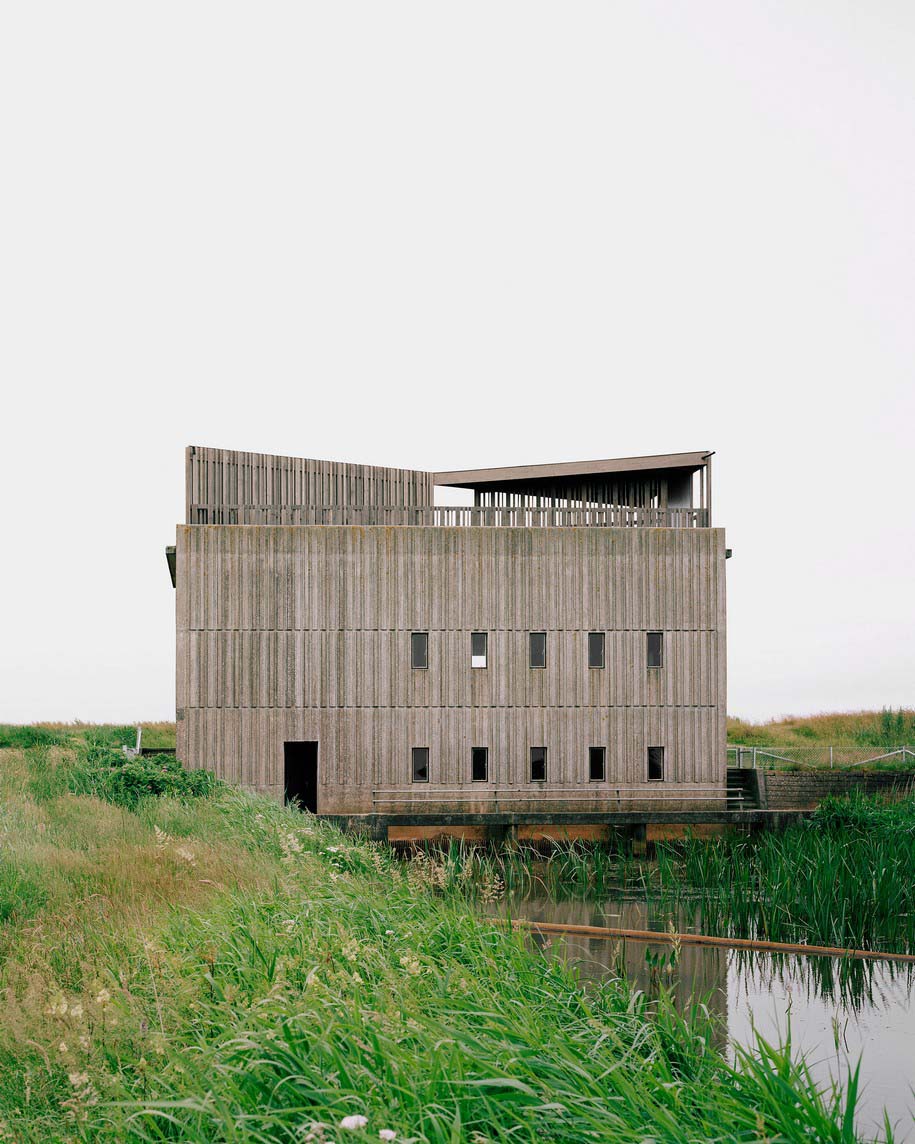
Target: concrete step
{"type": "Point", "coordinates": [746, 781]}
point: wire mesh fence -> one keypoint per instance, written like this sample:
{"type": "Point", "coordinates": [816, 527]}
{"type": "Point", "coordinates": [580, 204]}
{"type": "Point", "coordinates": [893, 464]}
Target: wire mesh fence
{"type": "Point", "coordinates": [817, 757]}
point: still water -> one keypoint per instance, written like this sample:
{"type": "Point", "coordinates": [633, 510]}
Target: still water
{"type": "Point", "coordinates": [838, 1011]}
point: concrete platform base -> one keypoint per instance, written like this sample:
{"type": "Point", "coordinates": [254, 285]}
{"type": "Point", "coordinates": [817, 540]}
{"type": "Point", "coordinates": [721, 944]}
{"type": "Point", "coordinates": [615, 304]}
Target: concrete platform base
{"type": "Point", "coordinates": [526, 827]}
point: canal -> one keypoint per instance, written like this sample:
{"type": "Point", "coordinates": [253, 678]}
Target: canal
{"type": "Point", "coordinates": [838, 1012]}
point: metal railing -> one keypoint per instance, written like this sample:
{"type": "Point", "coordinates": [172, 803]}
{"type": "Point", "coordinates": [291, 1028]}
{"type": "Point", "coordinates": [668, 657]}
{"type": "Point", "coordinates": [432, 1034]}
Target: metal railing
{"type": "Point", "coordinates": [810, 757]}
{"type": "Point", "coordinates": [453, 516]}
{"type": "Point", "coordinates": [430, 794]}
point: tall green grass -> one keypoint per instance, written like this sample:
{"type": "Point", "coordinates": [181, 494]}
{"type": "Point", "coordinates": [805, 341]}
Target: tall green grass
{"type": "Point", "coordinates": [880, 730]}
{"type": "Point", "coordinates": [226, 969]}
{"type": "Point", "coordinates": [842, 878]}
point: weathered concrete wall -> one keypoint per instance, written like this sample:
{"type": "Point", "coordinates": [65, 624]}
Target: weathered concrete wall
{"type": "Point", "coordinates": [292, 633]}
{"type": "Point", "coordinates": [801, 790]}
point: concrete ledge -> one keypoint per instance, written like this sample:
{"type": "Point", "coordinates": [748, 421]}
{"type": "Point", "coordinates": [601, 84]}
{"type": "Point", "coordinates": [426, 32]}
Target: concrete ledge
{"type": "Point", "coordinates": [397, 826]}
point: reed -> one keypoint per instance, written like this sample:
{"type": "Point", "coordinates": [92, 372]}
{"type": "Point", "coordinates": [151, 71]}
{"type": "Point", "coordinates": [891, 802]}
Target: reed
{"type": "Point", "coordinates": [226, 969]}
{"type": "Point", "coordinates": [842, 878]}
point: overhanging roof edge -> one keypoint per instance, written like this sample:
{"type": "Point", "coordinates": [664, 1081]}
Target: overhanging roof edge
{"type": "Point", "coordinates": [473, 477]}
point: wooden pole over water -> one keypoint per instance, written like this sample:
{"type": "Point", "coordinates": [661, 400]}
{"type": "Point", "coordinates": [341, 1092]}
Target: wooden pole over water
{"type": "Point", "coordinates": [659, 937]}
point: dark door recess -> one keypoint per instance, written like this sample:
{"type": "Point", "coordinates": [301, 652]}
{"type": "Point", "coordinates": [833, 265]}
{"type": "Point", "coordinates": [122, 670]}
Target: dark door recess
{"type": "Point", "coordinates": [300, 775]}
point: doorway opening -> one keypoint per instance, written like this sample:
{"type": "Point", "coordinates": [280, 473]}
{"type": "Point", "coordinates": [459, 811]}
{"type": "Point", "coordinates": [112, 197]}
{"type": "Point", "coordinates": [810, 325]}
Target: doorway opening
{"type": "Point", "coordinates": [300, 775]}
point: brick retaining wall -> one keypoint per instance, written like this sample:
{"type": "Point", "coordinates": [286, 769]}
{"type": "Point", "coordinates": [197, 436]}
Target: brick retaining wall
{"type": "Point", "coordinates": [801, 790]}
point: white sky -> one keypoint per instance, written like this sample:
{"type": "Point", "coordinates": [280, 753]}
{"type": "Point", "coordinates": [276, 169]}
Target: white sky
{"type": "Point", "coordinates": [446, 236]}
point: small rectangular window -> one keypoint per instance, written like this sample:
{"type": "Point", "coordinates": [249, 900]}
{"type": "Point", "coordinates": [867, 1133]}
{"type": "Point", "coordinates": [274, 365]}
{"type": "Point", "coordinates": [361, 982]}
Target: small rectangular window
{"type": "Point", "coordinates": [420, 764]}
{"type": "Point", "coordinates": [655, 649]}
{"type": "Point", "coordinates": [479, 649]}
{"type": "Point", "coordinates": [538, 649]}
{"type": "Point", "coordinates": [655, 764]}
{"type": "Point", "coordinates": [596, 649]}
{"type": "Point", "coordinates": [479, 764]}
{"type": "Point", "coordinates": [538, 764]}
{"type": "Point", "coordinates": [597, 770]}
{"type": "Point", "coordinates": [419, 650]}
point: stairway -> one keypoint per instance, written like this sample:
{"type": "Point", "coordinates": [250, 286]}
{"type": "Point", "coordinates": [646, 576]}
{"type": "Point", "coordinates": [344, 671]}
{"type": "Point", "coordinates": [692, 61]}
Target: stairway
{"type": "Point", "coordinates": [743, 781]}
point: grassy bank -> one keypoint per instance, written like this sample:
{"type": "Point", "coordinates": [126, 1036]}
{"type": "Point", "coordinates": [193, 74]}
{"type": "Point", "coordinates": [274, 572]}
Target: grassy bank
{"type": "Point", "coordinates": [868, 730]}
{"type": "Point", "coordinates": [220, 968]}
{"type": "Point", "coordinates": [77, 734]}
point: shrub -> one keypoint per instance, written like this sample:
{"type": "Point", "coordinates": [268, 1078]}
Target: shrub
{"type": "Point", "coordinates": [124, 780]}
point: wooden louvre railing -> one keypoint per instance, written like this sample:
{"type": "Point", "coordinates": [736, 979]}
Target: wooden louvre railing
{"type": "Point", "coordinates": [454, 516]}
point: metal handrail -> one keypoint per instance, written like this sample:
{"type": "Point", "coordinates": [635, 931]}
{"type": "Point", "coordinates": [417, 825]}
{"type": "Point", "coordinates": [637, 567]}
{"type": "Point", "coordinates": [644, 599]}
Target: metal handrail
{"type": "Point", "coordinates": [596, 788]}
{"type": "Point", "coordinates": [736, 796]}
{"type": "Point", "coordinates": [811, 755]}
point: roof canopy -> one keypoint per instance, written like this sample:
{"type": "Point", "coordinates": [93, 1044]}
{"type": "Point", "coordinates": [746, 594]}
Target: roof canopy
{"type": "Point", "coordinates": [479, 478]}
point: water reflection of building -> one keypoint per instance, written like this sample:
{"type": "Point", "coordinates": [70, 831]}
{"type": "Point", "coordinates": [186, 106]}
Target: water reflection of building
{"type": "Point", "coordinates": [691, 973]}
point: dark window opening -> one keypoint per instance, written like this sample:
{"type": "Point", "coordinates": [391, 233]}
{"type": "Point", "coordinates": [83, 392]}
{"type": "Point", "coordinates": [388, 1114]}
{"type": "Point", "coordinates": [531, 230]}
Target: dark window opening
{"type": "Point", "coordinates": [655, 764]}
{"type": "Point", "coordinates": [597, 770]}
{"type": "Point", "coordinates": [538, 649]}
{"type": "Point", "coordinates": [538, 764]}
{"type": "Point", "coordinates": [479, 764]}
{"type": "Point", "coordinates": [419, 650]}
{"type": "Point", "coordinates": [300, 775]}
{"type": "Point", "coordinates": [420, 764]}
{"type": "Point", "coordinates": [479, 649]}
{"type": "Point", "coordinates": [596, 643]}
{"type": "Point", "coordinates": [655, 649]}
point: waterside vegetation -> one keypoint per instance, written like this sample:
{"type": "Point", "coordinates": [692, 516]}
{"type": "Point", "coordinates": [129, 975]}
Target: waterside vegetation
{"type": "Point", "coordinates": [198, 964]}
{"type": "Point", "coordinates": [843, 877]}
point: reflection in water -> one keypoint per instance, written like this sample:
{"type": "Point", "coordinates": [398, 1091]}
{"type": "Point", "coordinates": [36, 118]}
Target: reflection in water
{"type": "Point", "coordinates": [835, 1010]}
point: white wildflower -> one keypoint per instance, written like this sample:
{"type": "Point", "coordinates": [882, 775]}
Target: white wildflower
{"type": "Point", "coordinates": [76, 1010]}
{"type": "Point", "coordinates": [387, 1134]}
{"type": "Point", "coordinates": [290, 845]}
{"type": "Point", "coordinates": [78, 1079]}
{"type": "Point", "coordinates": [410, 964]}
{"type": "Point", "coordinates": [103, 997]}
{"type": "Point", "coordinates": [353, 1123]}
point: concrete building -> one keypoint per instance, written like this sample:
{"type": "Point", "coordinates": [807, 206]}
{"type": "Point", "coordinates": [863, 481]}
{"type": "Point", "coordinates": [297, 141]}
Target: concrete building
{"type": "Point", "coordinates": [554, 653]}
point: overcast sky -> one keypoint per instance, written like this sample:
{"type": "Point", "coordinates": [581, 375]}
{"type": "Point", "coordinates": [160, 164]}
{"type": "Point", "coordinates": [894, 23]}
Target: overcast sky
{"type": "Point", "coordinates": [447, 236]}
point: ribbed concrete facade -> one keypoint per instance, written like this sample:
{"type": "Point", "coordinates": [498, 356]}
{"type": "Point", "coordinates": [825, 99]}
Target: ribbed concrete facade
{"type": "Point", "coordinates": [302, 633]}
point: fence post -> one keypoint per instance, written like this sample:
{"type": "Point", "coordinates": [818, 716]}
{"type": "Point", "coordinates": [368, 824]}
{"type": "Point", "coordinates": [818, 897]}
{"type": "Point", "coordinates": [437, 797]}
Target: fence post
{"type": "Point", "coordinates": [830, 758]}
{"type": "Point", "coordinates": [754, 758]}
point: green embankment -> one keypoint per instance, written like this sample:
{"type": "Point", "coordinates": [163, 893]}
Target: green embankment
{"type": "Point", "coordinates": [868, 730]}
{"type": "Point", "coordinates": [214, 967]}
